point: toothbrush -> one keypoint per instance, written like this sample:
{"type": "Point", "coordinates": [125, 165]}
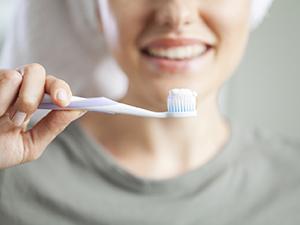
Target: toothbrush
{"type": "Point", "coordinates": [181, 103]}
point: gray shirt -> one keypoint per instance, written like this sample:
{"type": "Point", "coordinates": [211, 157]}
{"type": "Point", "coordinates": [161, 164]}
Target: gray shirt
{"type": "Point", "coordinates": [255, 179]}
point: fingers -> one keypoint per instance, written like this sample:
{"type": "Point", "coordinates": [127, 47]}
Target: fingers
{"type": "Point", "coordinates": [30, 93]}
{"type": "Point", "coordinates": [20, 95]}
{"type": "Point", "coordinates": [37, 139]}
{"type": "Point", "coordinates": [10, 82]}
{"type": "Point", "coordinates": [59, 91]}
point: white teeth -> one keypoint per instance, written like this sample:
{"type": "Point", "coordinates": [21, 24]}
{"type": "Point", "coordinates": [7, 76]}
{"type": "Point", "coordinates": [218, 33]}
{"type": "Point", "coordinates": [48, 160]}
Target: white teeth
{"type": "Point", "coordinates": [185, 52]}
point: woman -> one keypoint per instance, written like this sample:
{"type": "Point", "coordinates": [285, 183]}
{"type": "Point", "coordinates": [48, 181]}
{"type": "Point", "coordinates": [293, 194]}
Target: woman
{"type": "Point", "coordinates": [106, 169]}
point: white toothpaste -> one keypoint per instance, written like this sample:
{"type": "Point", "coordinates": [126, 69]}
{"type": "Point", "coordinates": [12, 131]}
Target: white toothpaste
{"type": "Point", "coordinates": [182, 100]}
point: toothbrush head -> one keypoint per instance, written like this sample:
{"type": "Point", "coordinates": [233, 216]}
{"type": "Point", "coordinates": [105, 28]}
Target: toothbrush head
{"type": "Point", "coordinates": [182, 103]}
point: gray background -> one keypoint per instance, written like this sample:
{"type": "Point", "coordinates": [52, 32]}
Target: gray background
{"type": "Point", "coordinates": [266, 88]}
{"type": "Point", "coordinates": [6, 9]}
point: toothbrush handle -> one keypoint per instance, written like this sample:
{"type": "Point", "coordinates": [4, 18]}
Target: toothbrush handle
{"type": "Point", "coordinates": [77, 103]}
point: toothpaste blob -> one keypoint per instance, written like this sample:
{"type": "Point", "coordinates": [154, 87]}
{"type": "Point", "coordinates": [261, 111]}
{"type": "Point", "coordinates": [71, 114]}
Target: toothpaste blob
{"type": "Point", "coordinates": [182, 100]}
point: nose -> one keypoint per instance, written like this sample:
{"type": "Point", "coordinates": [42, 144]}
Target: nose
{"type": "Point", "coordinates": [175, 14]}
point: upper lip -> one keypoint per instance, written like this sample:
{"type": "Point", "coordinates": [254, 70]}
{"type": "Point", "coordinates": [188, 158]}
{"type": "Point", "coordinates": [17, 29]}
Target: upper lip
{"type": "Point", "coordinates": [174, 42]}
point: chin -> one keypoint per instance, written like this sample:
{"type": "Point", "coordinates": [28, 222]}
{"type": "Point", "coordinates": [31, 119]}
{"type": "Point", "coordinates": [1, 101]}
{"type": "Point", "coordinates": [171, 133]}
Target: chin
{"type": "Point", "coordinates": [155, 94]}
{"type": "Point", "coordinates": [163, 82]}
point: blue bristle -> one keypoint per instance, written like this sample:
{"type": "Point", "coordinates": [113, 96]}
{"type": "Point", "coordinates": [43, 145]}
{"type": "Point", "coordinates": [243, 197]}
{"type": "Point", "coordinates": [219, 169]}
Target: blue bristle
{"type": "Point", "coordinates": [181, 100]}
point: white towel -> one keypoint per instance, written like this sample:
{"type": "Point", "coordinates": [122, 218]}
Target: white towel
{"type": "Point", "coordinates": [63, 36]}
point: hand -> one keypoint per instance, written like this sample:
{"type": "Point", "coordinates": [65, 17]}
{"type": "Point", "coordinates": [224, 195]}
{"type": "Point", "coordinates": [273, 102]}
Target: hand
{"type": "Point", "coordinates": [20, 94]}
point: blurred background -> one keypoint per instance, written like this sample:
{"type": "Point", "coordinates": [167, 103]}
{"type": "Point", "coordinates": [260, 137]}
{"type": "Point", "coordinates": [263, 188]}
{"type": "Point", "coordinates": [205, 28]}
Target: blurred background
{"type": "Point", "coordinates": [265, 90]}
{"type": "Point", "coordinates": [6, 10]}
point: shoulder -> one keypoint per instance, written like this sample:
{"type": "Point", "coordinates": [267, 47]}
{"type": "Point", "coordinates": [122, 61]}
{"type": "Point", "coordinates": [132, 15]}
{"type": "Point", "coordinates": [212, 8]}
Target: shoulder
{"type": "Point", "coordinates": [266, 141]}
{"type": "Point", "coordinates": [278, 147]}
{"type": "Point", "coordinates": [269, 153]}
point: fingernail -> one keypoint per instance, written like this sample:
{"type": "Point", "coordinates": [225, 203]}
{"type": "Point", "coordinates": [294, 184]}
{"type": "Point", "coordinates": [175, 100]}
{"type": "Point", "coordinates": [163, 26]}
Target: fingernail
{"type": "Point", "coordinates": [62, 95]}
{"type": "Point", "coordinates": [19, 118]}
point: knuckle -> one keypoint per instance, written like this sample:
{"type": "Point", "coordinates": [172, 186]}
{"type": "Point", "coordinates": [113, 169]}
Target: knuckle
{"type": "Point", "coordinates": [56, 80]}
{"type": "Point", "coordinates": [58, 83]}
{"type": "Point", "coordinates": [27, 104]}
{"type": "Point", "coordinates": [10, 75]}
{"type": "Point", "coordinates": [55, 83]}
{"type": "Point", "coordinates": [65, 84]}
{"type": "Point", "coordinates": [36, 67]}
{"type": "Point", "coordinates": [50, 78]}
{"type": "Point", "coordinates": [62, 83]}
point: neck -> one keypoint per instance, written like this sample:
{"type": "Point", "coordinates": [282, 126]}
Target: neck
{"type": "Point", "coordinates": [161, 148]}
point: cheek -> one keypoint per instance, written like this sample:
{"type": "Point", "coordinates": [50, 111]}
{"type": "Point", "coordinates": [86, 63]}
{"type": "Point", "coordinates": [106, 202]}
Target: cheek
{"type": "Point", "coordinates": [125, 49]}
{"type": "Point", "coordinates": [227, 13]}
{"type": "Point", "coordinates": [231, 26]}
{"type": "Point", "coordinates": [128, 21]}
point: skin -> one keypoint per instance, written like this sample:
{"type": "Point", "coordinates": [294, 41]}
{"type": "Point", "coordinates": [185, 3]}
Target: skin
{"type": "Point", "coordinates": [20, 92]}
{"type": "Point", "coordinates": [145, 147]}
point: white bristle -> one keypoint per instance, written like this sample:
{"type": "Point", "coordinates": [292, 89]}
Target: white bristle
{"type": "Point", "coordinates": [181, 101]}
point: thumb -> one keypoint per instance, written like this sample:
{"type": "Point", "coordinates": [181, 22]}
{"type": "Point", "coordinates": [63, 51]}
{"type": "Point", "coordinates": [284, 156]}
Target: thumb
{"type": "Point", "coordinates": [40, 136]}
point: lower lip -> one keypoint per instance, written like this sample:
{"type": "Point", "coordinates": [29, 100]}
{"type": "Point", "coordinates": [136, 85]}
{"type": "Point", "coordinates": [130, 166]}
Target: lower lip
{"type": "Point", "coordinates": [177, 66]}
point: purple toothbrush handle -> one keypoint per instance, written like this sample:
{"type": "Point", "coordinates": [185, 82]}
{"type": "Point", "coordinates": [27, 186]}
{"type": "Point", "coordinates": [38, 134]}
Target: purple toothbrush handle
{"type": "Point", "coordinates": [80, 104]}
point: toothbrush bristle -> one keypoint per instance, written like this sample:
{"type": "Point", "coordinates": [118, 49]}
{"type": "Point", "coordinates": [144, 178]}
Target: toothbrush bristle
{"type": "Point", "coordinates": [181, 101]}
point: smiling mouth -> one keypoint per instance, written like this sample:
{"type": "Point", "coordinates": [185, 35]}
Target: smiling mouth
{"type": "Point", "coordinates": [178, 53]}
